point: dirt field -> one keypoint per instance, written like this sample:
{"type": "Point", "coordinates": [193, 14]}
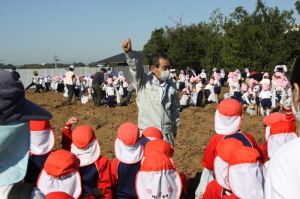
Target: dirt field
{"type": "Point", "coordinates": [195, 130]}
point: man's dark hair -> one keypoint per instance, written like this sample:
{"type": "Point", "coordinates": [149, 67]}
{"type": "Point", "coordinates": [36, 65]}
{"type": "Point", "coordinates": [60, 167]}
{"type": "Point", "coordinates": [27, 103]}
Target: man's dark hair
{"type": "Point", "coordinates": [103, 70]}
{"type": "Point", "coordinates": [295, 72]}
{"type": "Point", "coordinates": [154, 60]}
{"type": "Point", "coordinates": [14, 68]}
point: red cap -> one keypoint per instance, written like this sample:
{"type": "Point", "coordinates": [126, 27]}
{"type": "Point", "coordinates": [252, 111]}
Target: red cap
{"type": "Point", "coordinates": [274, 117]}
{"type": "Point", "coordinates": [159, 145]}
{"type": "Point", "coordinates": [156, 161]}
{"type": "Point", "coordinates": [281, 127]}
{"type": "Point", "coordinates": [243, 155]}
{"type": "Point", "coordinates": [82, 136]}
{"type": "Point", "coordinates": [230, 107]}
{"type": "Point", "coordinates": [225, 147]}
{"type": "Point", "coordinates": [39, 125]}
{"type": "Point", "coordinates": [60, 163]}
{"type": "Point", "coordinates": [128, 133]}
{"type": "Point", "coordinates": [58, 195]}
{"type": "Point", "coordinates": [153, 132]}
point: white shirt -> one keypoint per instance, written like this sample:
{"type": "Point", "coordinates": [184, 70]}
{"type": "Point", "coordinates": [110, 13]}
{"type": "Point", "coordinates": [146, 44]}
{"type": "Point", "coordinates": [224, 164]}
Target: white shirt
{"type": "Point", "coordinates": [222, 75]}
{"type": "Point", "coordinates": [217, 83]}
{"type": "Point", "coordinates": [236, 86]}
{"type": "Point", "coordinates": [116, 83]}
{"type": "Point", "coordinates": [208, 87]}
{"type": "Point", "coordinates": [125, 84]}
{"type": "Point", "coordinates": [203, 75]}
{"type": "Point", "coordinates": [265, 81]}
{"type": "Point", "coordinates": [246, 97]}
{"type": "Point", "coordinates": [35, 79]}
{"type": "Point", "coordinates": [69, 79]}
{"type": "Point", "coordinates": [184, 100]}
{"type": "Point", "coordinates": [265, 95]}
{"type": "Point", "coordinates": [110, 91]}
{"type": "Point", "coordinates": [199, 87]}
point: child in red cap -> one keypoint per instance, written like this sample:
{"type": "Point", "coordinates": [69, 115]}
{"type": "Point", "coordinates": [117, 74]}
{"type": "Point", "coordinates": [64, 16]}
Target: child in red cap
{"type": "Point", "coordinates": [42, 141]}
{"type": "Point", "coordinates": [168, 150]}
{"type": "Point", "coordinates": [220, 186]}
{"type": "Point", "coordinates": [60, 173]}
{"type": "Point", "coordinates": [94, 169]}
{"type": "Point", "coordinates": [129, 152]}
{"type": "Point", "coordinates": [228, 119]}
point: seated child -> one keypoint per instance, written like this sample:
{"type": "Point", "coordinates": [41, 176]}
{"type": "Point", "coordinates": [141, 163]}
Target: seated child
{"type": "Point", "coordinates": [129, 152]}
{"type": "Point", "coordinates": [60, 173]}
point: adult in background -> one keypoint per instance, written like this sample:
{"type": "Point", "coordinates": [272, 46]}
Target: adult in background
{"type": "Point", "coordinates": [34, 80]}
{"type": "Point", "coordinates": [157, 98]}
{"type": "Point", "coordinates": [107, 74]}
{"type": "Point", "coordinates": [69, 82]}
{"type": "Point", "coordinates": [14, 71]}
{"type": "Point", "coordinates": [131, 88]}
{"type": "Point", "coordinates": [96, 85]}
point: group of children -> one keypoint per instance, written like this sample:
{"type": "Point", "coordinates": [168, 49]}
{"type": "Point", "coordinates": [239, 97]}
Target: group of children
{"type": "Point", "coordinates": [193, 88]}
{"type": "Point", "coordinates": [115, 87]}
{"type": "Point", "coordinates": [143, 166]}
{"type": "Point", "coordinates": [259, 93]}
{"type": "Point", "coordinates": [235, 166]}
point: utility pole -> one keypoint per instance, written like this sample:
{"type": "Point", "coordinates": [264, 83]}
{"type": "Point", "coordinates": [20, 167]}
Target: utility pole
{"type": "Point", "coordinates": [56, 58]}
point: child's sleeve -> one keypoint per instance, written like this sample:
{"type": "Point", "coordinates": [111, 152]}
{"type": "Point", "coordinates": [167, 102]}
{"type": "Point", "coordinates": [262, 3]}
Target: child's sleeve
{"type": "Point", "coordinates": [66, 140]}
{"type": "Point", "coordinates": [105, 183]}
{"type": "Point", "coordinates": [114, 171]}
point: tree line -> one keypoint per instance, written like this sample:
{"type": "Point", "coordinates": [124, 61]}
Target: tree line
{"type": "Point", "coordinates": [241, 40]}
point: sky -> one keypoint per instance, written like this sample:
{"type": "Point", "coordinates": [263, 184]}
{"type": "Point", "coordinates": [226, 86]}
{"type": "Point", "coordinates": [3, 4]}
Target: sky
{"type": "Point", "coordinates": [33, 31]}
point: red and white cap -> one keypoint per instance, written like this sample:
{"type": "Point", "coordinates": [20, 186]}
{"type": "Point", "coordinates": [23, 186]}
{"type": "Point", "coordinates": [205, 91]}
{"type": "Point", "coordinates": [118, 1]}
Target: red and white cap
{"type": "Point", "coordinates": [228, 117]}
{"type": "Point", "coordinates": [60, 173]}
{"type": "Point", "coordinates": [85, 145]}
{"type": "Point", "coordinates": [161, 146]}
{"type": "Point", "coordinates": [223, 149]}
{"type": "Point", "coordinates": [128, 147]}
{"type": "Point", "coordinates": [151, 133]}
{"type": "Point", "coordinates": [282, 132]}
{"type": "Point", "coordinates": [271, 119]}
{"type": "Point", "coordinates": [245, 173]}
{"type": "Point", "coordinates": [158, 178]}
{"type": "Point", "coordinates": [42, 138]}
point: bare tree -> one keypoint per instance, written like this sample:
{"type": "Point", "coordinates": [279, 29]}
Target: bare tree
{"type": "Point", "coordinates": [178, 23]}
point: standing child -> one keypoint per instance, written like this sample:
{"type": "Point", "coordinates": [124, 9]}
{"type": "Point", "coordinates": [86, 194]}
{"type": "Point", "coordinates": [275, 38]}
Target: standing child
{"type": "Point", "coordinates": [236, 89]}
{"type": "Point", "coordinates": [217, 87]}
{"type": "Point", "coordinates": [125, 86]}
{"type": "Point", "coordinates": [199, 91]}
{"type": "Point", "coordinates": [203, 76]}
{"type": "Point", "coordinates": [222, 74]}
{"type": "Point", "coordinates": [181, 80]}
{"type": "Point", "coordinates": [110, 94]}
{"type": "Point", "coordinates": [265, 98]}
{"type": "Point", "coordinates": [207, 90]}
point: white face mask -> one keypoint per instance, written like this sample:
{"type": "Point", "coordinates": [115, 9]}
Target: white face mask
{"type": "Point", "coordinates": [164, 75]}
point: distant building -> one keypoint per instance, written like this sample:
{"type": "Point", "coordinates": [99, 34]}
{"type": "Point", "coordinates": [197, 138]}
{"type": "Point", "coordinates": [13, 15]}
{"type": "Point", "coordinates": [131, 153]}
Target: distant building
{"type": "Point", "coordinates": [120, 59]}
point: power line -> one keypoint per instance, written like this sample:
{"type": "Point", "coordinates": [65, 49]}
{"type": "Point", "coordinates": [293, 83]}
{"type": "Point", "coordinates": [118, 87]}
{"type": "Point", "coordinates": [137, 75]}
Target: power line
{"type": "Point", "coordinates": [56, 58]}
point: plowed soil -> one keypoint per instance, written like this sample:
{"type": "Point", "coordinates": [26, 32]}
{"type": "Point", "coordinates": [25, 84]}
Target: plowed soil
{"type": "Point", "coordinates": [195, 130]}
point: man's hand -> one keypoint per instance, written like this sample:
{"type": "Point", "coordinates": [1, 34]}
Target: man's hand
{"type": "Point", "coordinates": [72, 120]}
{"type": "Point", "coordinates": [127, 46]}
